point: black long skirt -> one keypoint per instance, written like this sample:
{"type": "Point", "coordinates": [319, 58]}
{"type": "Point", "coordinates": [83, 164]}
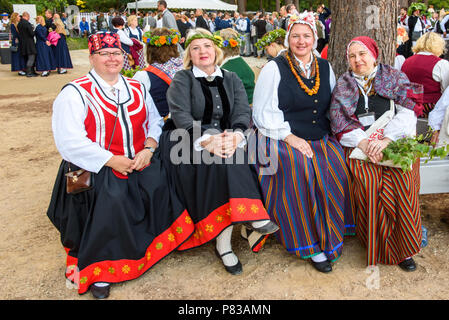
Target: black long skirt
{"type": "Point", "coordinates": [215, 195]}
{"type": "Point", "coordinates": [120, 228]}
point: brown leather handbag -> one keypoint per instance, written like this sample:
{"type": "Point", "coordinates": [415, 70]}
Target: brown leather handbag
{"type": "Point", "coordinates": [79, 181]}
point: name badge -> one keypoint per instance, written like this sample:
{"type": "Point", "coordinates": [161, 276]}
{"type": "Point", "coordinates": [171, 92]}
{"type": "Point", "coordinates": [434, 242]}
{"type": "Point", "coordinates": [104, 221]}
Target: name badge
{"type": "Point", "coordinates": [367, 119]}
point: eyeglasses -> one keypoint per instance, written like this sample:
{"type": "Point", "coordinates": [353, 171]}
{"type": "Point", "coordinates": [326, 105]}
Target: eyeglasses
{"type": "Point", "coordinates": [105, 54]}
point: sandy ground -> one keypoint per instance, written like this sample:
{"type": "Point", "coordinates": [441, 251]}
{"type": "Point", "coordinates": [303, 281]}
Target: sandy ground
{"type": "Point", "coordinates": [32, 260]}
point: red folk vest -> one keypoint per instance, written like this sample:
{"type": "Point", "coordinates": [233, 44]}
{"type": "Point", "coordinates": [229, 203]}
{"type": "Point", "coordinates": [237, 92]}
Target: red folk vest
{"type": "Point", "coordinates": [131, 126]}
{"type": "Point", "coordinates": [418, 68]}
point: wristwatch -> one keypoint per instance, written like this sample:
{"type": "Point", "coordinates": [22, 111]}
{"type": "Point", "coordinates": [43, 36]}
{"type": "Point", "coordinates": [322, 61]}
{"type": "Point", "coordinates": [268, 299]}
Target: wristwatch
{"type": "Point", "coordinates": [151, 149]}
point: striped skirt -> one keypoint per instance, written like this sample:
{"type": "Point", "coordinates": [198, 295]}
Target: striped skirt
{"type": "Point", "coordinates": [427, 108]}
{"type": "Point", "coordinates": [388, 214]}
{"type": "Point", "coordinates": [309, 199]}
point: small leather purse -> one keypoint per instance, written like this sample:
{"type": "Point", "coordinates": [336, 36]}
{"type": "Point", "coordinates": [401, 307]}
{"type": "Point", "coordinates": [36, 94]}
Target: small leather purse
{"type": "Point", "coordinates": [79, 181]}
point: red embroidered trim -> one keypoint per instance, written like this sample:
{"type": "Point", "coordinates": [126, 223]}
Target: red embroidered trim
{"type": "Point", "coordinates": [123, 270]}
{"type": "Point", "coordinates": [236, 210]}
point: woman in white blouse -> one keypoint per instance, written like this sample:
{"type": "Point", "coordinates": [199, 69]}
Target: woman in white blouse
{"type": "Point", "coordinates": [427, 68]}
{"type": "Point", "coordinates": [308, 195]}
{"type": "Point", "coordinates": [388, 215]}
{"type": "Point", "coordinates": [125, 223]}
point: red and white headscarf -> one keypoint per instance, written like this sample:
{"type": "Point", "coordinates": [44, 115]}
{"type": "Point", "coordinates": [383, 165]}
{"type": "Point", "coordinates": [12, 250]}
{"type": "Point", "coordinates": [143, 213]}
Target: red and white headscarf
{"type": "Point", "coordinates": [368, 43]}
{"type": "Point", "coordinates": [307, 18]}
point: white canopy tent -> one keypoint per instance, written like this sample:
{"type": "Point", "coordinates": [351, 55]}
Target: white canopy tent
{"type": "Point", "coordinates": [185, 4]}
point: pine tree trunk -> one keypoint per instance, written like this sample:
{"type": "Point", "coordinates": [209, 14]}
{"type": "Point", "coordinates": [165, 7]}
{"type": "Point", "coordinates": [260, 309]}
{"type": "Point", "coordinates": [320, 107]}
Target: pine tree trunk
{"type": "Point", "coordinates": [373, 18]}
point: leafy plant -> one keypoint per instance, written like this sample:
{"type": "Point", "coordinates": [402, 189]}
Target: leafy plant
{"type": "Point", "coordinates": [405, 151]}
{"type": "Point", "coordinates": [130, 73]}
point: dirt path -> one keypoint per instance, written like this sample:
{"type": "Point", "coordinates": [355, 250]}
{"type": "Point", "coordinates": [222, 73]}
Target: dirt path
{"type": "Point", "coordinates": [32, 259]}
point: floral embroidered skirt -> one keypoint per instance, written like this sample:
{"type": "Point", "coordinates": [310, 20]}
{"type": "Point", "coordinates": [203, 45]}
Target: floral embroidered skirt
{"type": "Point", "coordinates": [215, 195]}
{"type": "Point", "coordinates": [119, 229]}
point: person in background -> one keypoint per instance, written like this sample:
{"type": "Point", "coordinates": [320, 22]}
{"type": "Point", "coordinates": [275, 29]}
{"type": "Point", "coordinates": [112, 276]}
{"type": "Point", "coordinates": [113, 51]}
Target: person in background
{"type": "Point", "coordinates": [45, 61]}
{"type": "Point", "coordinates": [233, 62]}
{"type": "Point", "coordinates": [27, 46]}
{"type": "Point", "coordinates": [260, 25]}
{"type": "Point", "coordinates": [84, 28]}
{"type": "Point", "coordinates": [93, 26]}
{"type": "Point", "coordinates": [427, 68]}
{"type": "Point", "coordinates": [163, 62]}
{"type": "Point", "coordinates": [125, 41]}
{"type": "Point", "coordinates": [17, 60]}
{"type": "Point", "coordinates": [168, 19]}
{"type": "Point", "coordinates": [49, 23]}
{"type": "Point", "coordinates": [61, 50]}
{"type": "Point", "coordinates": [4, 22]}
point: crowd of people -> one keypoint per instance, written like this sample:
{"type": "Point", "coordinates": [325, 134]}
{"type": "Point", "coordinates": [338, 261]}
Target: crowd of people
{"type": "Point", "coordinates": [42, 48]}
{"type": "Point", "coordinates": [169, 152]}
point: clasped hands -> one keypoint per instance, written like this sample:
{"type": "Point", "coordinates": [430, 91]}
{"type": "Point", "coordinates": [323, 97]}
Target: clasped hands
{"type": "Point", "coordinates": [125, 165]}
{"type": "Point", "coordinates": [373, 149]}
{"type": "Point", "coordinates": [223, 144]}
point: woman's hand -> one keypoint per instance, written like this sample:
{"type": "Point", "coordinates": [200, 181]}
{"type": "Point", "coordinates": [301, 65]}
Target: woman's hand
{"type": "Point", "coordinates": [215, 145]}
{"type": "Point", "coordinates": [121, 164]}
{"type": "Point", "coordinates": [230, 142]}
{"type": "Point", "coordinates": [299, 144]}
{"type": "Point", "coordinates": [374, 149]}
{"type": "Point", "coordinates": [142, 159]}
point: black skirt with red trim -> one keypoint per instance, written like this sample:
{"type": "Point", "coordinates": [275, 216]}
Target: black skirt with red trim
{"type": "Point", "coordinates": [119, 229]}
{"type": "Point", "coordinates": [216, 195]}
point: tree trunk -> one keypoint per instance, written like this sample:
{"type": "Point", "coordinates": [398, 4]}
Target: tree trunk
{"type": "Point", "coordinates": [374, 18]}
{"type": "Point", "coordinates": [278, 5]}
{"type": "Point", "coordinates": [241, 6]}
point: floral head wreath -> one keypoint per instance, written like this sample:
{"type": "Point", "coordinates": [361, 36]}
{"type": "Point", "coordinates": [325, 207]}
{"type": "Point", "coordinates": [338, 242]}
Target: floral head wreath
{"type": "Point", "coordinates": [307, 18]}
{"type": "Point", "coordinates": [214, 38]}
{"type": "Point", "coordinates": [270, 37]}
{"type": "Point", "coordinates": [232, 42]}
{"type": "Point", "coordinates": [159, 41]}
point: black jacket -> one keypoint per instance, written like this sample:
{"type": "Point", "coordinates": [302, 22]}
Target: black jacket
{"type": "Point", "coordinates": [26, 38]}
{"type": "Point", "coordinates": [201, 23]}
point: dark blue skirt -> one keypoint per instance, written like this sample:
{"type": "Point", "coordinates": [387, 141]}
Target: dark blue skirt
{"type": "Point", "coordinates": [17, 61]}
{"type": "Point", "coordinates": [45, 60]}
{"type": "Point", "coordinates": [62, 55]}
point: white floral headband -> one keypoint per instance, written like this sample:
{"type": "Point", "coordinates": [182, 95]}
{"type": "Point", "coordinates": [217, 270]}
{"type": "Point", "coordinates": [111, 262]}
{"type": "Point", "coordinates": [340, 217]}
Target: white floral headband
{"type": "Point", "coordinates": [307, 18]}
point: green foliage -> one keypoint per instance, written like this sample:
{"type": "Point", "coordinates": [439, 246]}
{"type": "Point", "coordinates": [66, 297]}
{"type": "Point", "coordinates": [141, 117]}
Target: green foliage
{"type": "Point", "coordinates": [270, 5]}
{"type": "Point", "coordinates": [130, 73]}
{"type": "Point", "coordinates": [405, 151]}
{"type": "Point", "coordinates": [77, 43]}
{"type": "Point", "coordinates": [41, 5]}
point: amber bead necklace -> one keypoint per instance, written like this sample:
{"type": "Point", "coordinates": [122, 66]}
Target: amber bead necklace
{"type": "Point", "coordinates": [316, 87]}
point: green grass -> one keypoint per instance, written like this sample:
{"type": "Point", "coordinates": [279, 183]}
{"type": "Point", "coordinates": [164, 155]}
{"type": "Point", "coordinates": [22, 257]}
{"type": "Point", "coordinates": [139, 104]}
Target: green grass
{"type": "Point", "coordinates": [77, 43]}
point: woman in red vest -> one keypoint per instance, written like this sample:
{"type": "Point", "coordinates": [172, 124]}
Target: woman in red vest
{"type": "Point", "coordinates": [426, 68]}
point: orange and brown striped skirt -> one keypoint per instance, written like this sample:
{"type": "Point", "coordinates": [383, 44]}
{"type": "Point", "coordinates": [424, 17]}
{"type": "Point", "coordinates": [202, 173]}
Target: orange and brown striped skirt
{"type": "Point", "coordinates": [387, 210]}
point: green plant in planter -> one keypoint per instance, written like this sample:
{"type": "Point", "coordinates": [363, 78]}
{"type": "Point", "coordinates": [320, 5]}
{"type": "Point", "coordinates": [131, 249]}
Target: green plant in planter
{"type": "Point", "coordinates": [405, 151]}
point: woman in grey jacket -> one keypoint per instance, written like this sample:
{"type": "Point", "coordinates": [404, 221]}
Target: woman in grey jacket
{"type": "Point", "coordinates": [208, 163]}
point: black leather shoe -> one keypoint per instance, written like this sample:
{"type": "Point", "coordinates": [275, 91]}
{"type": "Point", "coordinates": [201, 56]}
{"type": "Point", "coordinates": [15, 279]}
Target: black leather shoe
{"type": "Point", "coordinates": [408, 265]}
{"type": "Point", "coordinates": [100, 292]}
{"type": "Point", "coordinates": [268, 228]}
{"type": "Point", "coordinates": [234, 270]}
{"type": "Point", "coordinates": [324, 267]}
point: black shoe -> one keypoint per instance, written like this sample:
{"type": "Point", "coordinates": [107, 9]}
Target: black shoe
{"type": "Point", "coordinates": [100, 292]}
{"type": "Point", "coordinates": [269, 228]}
{"type": "Point", "coordinates": [324, 267]}
{"type": "Point", "coordinates": [408, 265]}
{"type": "Point", "coordinates": [234, 270]}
